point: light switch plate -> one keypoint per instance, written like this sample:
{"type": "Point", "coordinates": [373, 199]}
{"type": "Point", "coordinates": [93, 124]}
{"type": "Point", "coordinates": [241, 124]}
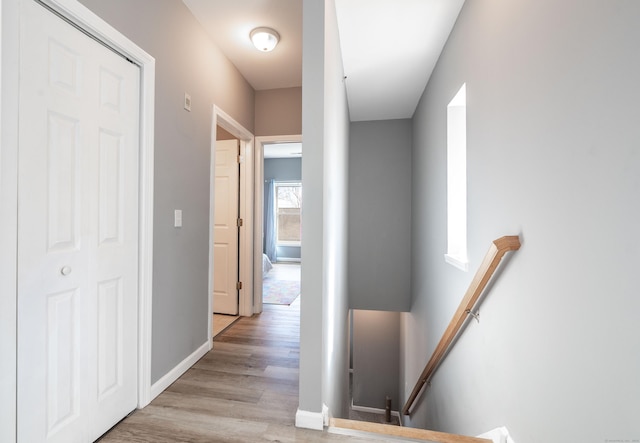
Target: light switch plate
{"type": "Point", "coordinates": [177, 218]}
{"type": "Point", "coordinates": [187, 102]}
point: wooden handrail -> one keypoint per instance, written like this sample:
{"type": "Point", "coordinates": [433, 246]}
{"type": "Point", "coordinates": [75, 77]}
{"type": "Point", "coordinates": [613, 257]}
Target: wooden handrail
{"type": "Point", "coordinates": [491, 261]}
{"type": "Point", "coordinates": [398, 431]}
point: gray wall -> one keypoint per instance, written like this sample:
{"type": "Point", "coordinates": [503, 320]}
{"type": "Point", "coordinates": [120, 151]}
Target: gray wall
{"type": "Point", "coordinates": [335, 380]}
{"type": "Point", "coordinates": [376, 351]}
{"type": "Point", "coordinates": [186, 61]}
{"type": "Point", "coordinates": [285, 169]}
{"type": "Point", "coordinates": [324, 217]}
{"type": "Point", "coordinates": [310, 393]}
{"type": "Point", "coordinates": [279, 112]}
{"type": "Point", "coordinates": [380, 215]}
{"type": "Point", "coordinates": [553, 155]}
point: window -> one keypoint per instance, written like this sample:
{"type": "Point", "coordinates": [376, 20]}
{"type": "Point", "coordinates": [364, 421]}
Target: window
{"type": "Point", "coordinates": [288, 203]}
{"type": "Point", "coordinates": [457, 181]}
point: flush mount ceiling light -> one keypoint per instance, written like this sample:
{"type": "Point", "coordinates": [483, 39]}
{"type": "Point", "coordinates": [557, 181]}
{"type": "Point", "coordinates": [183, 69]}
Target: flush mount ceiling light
{"type": "Point", "coordinates": [264, 39]}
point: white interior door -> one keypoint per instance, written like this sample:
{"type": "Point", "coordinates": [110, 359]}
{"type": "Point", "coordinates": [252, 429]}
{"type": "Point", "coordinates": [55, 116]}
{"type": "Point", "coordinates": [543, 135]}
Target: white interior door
{"type": "Point", "coordinates": [225, 231]}
{"type": "Point", "coordinates": [77, 232]}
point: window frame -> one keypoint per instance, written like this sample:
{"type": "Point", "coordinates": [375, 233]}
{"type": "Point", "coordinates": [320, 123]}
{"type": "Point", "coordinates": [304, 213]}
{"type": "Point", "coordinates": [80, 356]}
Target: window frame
{"type": "Point", "coordinates": [457, 221]}
{"type": "Point", "coordinates": [285, 183]}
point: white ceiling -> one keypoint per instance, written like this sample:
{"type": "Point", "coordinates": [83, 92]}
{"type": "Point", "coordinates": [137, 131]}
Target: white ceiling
{"type": "Point", "coordinates": [389, 47]}
{"type": "Point", "coordinates": [229, 23]}
{"type": "Point", "coordinates": [283, 150]}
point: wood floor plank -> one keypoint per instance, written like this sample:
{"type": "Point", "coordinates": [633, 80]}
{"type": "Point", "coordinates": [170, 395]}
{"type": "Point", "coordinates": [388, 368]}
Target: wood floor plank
{"type": "Point", "coordinates": [220, 391]}
{"type": "Point", "coordinates": [244, 390]}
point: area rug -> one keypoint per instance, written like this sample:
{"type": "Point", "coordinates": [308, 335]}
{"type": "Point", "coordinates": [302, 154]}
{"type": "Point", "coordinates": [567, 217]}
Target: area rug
{"type": "Point", "coordinates": [279, 292]}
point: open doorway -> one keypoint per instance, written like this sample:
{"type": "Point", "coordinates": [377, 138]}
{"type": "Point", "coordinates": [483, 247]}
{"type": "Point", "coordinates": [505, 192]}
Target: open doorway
{"type": "Point", "coordinates": [282, 229]}
{"type": "Point", "coordinates": [279, 177]}
{"type": "Point", "coordinates": [226, 231]}
{"type": "Point", "coordinates": [239, 280]}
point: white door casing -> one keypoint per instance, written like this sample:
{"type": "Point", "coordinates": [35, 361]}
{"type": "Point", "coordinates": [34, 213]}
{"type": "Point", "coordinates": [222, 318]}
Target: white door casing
{"type": "Point", "coordinates": [259, 209]}
{"type": "Point", "coordinates": [225, 235]}
{"type": "Point", "coordinates": [246, 210]}
{"type": "Point", "coordinates": [77, 232]}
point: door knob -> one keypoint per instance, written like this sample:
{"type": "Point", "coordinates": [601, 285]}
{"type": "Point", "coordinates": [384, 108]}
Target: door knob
{"type": "Point", "coordinates": [66, 270]}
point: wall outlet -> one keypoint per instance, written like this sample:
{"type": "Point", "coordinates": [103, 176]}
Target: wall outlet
{"type": "Point", "coordinates": [177, 218]}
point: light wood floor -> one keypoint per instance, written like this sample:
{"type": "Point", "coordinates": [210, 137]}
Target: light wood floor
{"type": "Point", "coordinates": [244, 390]}
{"type": "Point", "coordinates": [221, 322]}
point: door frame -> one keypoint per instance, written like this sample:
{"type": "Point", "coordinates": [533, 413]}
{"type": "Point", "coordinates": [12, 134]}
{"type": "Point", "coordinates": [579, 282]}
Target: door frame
{"type": "Point", "coordinates": [259, 209]}
{"type": "Point", "coordinates": [245, 250]}
{"type": "Point", "coordinates": [95, 27]}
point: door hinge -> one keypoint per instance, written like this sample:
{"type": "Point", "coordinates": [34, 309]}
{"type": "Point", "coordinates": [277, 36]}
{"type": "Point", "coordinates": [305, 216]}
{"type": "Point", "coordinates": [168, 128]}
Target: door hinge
{"type": "Point", "coordinates": [240, 159]}
{"type": "Point", "coordinates": [239, 285]}
{"type": "Point", "coordinates": [239, 222]}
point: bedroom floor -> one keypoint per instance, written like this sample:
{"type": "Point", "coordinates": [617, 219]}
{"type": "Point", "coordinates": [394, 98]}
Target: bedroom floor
{"type": "Point", "coordinates": [286, 271]}
{"type": "Point", "coordinates": [281, 285]}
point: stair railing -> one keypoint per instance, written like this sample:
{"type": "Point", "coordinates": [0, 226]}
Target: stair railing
{"type": "Point", "coordinates": [489, 264]}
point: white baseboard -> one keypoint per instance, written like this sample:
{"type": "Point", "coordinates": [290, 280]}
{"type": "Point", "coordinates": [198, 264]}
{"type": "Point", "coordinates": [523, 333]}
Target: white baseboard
{"type": "Point", "coordinates": [309, 420]}
{"type": "Point", "coordinates": [498, 435]}
{"type": "Point", "coordinates": [287, 260]}
{"type": "Point", "coordinates": [376, 411]}
{"type": "Point", "coordinates": [325, 414]}
{"type": "Point", "coordinates": [181, 368]}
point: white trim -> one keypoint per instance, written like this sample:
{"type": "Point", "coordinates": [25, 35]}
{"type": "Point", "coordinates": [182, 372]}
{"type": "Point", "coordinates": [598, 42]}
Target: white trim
{"type": "Point", "coordinates": [498, 435]}
{"type": "Point", "coordinates": [246, 232]}
{"type": "Point", "coordinates": [286, 182]}
{"type": "Point", "coordinates": [309, 420]}
{"type": "Point", "coordinates": [95, 26]}
{"type": "Point", "coordinates": [457, 181]}
{"type": "Point", "coordinates": [9, 100]}
{"type": "Point", "coordinates": [259, 210]}
{"type": "Point", "coordinates": [325, 414]}
{"type": "Point", "coordinates": [182, 367]}
{"type": "Point", "coordinates": [224, 120]}
{"type": "Point", "coordinates": [288, 259]}
{"type": "Point", "coordinates": [376, 411]}
{"type": "Point", "coordinates": [288, 243]}
{"type": "Point", "coordinates": [459, 263]}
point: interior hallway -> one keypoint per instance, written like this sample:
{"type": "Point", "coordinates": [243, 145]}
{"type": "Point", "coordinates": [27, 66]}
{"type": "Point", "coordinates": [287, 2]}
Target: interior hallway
{"type": "Point", "coordinates": [244, 390]}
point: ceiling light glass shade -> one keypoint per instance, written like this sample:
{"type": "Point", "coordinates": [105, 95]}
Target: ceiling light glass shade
{"type": "Point", "coordinates": [264, 39]}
